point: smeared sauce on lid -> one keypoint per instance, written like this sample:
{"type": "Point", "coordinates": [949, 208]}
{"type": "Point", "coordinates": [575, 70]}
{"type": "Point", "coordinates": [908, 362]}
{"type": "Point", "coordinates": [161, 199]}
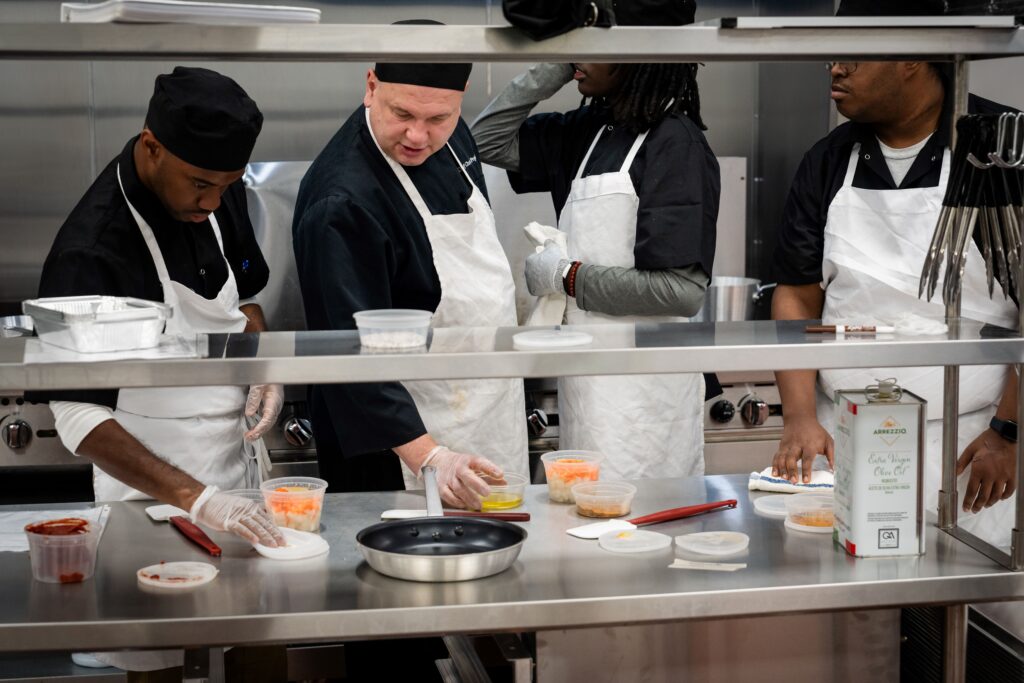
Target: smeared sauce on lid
{"type": "Point", "coordinates": [69, 526]}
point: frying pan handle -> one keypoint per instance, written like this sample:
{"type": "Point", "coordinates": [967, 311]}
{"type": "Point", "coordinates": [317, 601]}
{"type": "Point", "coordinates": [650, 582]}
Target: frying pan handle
{"type": "Point", "coordinates": [434, 508]}
{"type": "Point", "coordinates": [680, 513]}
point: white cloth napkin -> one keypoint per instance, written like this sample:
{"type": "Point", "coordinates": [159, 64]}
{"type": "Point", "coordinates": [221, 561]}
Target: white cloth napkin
{"type": "Point", "coordinates": [548, 309]}
{"type": "Point", "coordinates": [821, 480]}
{"type": "Point", "coordinates": [12, 524]}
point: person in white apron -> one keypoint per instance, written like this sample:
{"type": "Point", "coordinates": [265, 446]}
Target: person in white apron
{"type": "Point", "coordinates": [405, 160]}
{"type": "Point", "coordinates": [184, 446]}
{"type": "Point", "coordinates": [890, 169]}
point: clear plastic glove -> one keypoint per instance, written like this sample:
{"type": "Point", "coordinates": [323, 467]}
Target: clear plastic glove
{"type": "Point", "coordinates": [267, 400]}
{"type": "Point", "coordinates": [544, 270]}
{"type": "Point", "coordinates": [803, 439]}
{"type": "Point", "coordinates": [240, 516]}
{"type": "Point", "coordinates": [458, 477]}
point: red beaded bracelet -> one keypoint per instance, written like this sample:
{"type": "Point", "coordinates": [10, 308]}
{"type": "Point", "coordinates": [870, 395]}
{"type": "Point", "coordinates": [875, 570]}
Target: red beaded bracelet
{"type": "Point", "coordinates": [570, 279]}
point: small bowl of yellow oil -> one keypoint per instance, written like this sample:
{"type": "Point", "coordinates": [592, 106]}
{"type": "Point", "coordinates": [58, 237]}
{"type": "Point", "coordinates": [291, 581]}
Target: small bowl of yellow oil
{"type": "Point", "coordinates": [506, 494]}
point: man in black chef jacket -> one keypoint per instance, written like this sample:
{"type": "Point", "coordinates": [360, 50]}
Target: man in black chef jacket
{"type": "Point", "coordinates": [166, 221]}
{"type": "Point", "coordinates": [855, 229]}
{"type": "Point", "coordinates": [392, 214]}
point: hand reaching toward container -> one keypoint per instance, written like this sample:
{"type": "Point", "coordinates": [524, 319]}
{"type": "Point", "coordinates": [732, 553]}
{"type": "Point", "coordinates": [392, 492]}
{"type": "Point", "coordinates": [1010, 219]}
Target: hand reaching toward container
{"type": "Point", "coordinates": [458, 476]}
{"type": "Point", "coordinates": [238, 515]}
{"type": "Point", "coordinates": [267, 400]}
{"type": "Point", "coordinates": [803, 439]}
{"type": "Point", "coordinates": [993, 463]}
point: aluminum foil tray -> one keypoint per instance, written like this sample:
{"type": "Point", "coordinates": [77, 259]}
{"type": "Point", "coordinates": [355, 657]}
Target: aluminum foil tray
{"type": "Point", "coordinates": [95, 324]}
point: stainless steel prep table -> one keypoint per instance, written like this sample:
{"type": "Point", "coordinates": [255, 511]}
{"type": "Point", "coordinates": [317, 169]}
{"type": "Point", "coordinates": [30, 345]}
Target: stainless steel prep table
{"type": "Point", "coordinates": [558, 582]}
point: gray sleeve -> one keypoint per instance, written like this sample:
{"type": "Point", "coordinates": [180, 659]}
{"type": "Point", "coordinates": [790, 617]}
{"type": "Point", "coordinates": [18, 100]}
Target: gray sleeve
{"type": "Point", "coordinates": [628, 291]}
{"type": "Point", "coordinates": [496, 130]}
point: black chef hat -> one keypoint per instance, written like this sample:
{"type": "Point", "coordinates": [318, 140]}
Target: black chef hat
{"type": "Point", "coordinates": [890, 8]}
{"type": "Point", "coordinates": [446, 76]}
{"type": "Point", "coordinates": [654, 12]}
{"type": "Point", "coordinates": [204, 118]}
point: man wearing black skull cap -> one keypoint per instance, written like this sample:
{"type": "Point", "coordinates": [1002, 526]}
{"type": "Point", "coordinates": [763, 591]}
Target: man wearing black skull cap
{"type": "Point", "coordinates": [392, 214]}
{"type": "Point", "coordinates": [855, 229]}
{"type": "Point", "coordinates": [166, 221]}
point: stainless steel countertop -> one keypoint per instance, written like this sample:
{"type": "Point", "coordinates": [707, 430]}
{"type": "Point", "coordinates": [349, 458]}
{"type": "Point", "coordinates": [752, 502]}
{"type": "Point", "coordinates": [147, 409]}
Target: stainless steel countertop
{"type": "Point", "coordinates": [454, 353]}
{"type": "Point", "coordinates": [557, 582]}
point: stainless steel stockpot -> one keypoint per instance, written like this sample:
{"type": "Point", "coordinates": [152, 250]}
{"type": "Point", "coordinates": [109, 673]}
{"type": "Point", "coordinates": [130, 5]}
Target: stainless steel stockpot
{"type": "Point", "coordinates": [731, 298]}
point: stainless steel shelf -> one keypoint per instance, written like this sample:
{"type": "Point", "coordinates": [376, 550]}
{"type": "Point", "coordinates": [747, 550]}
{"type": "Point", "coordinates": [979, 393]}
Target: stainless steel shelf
{"type": "Point", "coordinates": [829, 39]}
{"type": "Point", "coordinates": [557, 582]}
{"type": "Point", "coordinates": [336, 357]}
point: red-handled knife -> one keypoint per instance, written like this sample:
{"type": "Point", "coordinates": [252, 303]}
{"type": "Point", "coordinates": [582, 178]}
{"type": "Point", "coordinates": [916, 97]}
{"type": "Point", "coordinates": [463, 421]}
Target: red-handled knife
{"type": "Point", "coordinates": [680, 513]}
{"type": "Point", "coordinates": [195, 534]}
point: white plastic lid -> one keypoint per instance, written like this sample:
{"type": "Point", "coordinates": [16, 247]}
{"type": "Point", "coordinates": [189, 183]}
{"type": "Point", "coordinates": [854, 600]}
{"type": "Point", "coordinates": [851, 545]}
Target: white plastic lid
{"type": "Point", "coordinates": [550, 339]}
{"type": "Point", "coordinates": [714, 542]}
{"type": "Point", "coordinates": [634, 541]}
{"type": "Point", "coordinates": [790, 524]}
{"type": "Point", "coordinates": [177, 575]}
{"type": "Point", "coordinates": [771, 506]}
{"type": "Point", "coordinates": [301, 545]}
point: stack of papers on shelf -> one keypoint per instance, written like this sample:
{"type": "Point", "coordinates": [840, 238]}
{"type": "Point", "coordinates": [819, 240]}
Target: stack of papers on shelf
{"type": "Point", "coordinates": [185, 12]}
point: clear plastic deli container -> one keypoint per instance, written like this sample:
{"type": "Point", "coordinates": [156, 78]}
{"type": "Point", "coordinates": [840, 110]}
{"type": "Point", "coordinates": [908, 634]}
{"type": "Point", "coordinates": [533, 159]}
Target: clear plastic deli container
{"type": "Point", "coordinates": [63, 550]}
{"type": "Point", "coordinates": [94, 324]}
{"type": "Point", "coordinates": [393, 328]}
{"type": "Point", "coordinates": [504, 496]}
{"type": "Point", "coordinates": [603, 498]}
{"type": "Point", "coordinates": [811, 512]}
{"type": "Point", "coordinates": [566, 468]}
{"type": "Point", "coordinates": [295, 502]}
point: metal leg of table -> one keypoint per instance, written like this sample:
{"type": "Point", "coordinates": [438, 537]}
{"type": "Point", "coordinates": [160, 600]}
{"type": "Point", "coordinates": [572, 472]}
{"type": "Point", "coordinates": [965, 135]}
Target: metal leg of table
{"type": "Point", "coordinates": [465, 660]}
{"type": "Point", "coordinates": [516, 654]}
{"type": "Point", "coordinates": [204, 665]}
{"type": "Point", "coordinates": [954, 644]}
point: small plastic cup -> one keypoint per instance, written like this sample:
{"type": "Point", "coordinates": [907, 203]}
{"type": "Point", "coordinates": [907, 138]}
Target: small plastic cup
{"type": "Point", "coordinates": [603, 498]}
{"type": "Point", "coordinates": [816, 510]}
{"type": "Point", "coordinates": [63, 550]}
{"type": "Point", "coordinates": [393, 328]}
{"type": "Point", "coordinates": [566, 468]}
{"type": "Point", "coordinates": [295, 502]}
{"type": "Point", "coordinates": [505, 496]}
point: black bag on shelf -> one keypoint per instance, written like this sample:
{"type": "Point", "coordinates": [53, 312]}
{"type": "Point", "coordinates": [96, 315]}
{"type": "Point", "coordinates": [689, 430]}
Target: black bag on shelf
{"type": "Point", "coordinates": [542, 19]}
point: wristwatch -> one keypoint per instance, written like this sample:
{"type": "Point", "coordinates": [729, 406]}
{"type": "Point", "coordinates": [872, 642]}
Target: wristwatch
{"type": "Point", "coordinates": [1004, 428]}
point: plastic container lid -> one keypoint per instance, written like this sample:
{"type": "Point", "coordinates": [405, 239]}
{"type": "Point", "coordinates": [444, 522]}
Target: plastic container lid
{"type": "Point", "coordinates": [177, 575]}
{"type": "Point", "coordinates": [714, 542]}
{"type": "Point", "coordinates": [636, 541]}
{"type": "Point", "coordinates": [772, 506]}
{"type": "Point", "coordinates": [550, 339]}
{"type": "Point", "coordinates": [301, 545]}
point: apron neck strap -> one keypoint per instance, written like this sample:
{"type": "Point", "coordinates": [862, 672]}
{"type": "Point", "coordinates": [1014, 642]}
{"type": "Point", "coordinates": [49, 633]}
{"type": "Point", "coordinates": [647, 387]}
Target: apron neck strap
{"type": "Point", "coordinates": [851, 168]}
{"type": "Point", "coordinates": [586, 157]}
{"type": "Point", "coordinates": [630, 156]}
{"type": "Point", "coordinates": [944, 173]}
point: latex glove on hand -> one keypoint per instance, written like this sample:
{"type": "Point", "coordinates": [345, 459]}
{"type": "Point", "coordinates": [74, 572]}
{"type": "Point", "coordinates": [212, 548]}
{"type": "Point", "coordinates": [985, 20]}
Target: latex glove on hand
{"type": "Point", "coordinates": [240, 516]}
{"type": "Point", "coordinates": [544, 270]}
{"type": "Point", "coordinates": [458, 476]}
{"type": "Point", "coordinates": [267, 400]}
{"type": "Point", "coordinates": [803, 439]}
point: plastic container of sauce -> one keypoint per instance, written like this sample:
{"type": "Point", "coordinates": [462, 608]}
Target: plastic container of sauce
{"type": "Point", "coordinates": [504, 496]}
{"type": "Point", "coordinates": [564, 469]}
{"type": "Point", "coordinates": [813, 512]}
{"type": "Point", "coordinates": [603, 498]}
{"type": "Point", "coordinates": [295, 502]}
{"type": "Point", "coordinates": [63, 550]}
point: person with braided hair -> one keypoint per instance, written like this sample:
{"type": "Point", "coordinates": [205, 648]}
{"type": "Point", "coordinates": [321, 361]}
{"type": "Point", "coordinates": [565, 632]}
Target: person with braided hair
{"type": "Point", "coordinates": [636, 188]}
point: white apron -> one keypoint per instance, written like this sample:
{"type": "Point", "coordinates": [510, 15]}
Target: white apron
{"type": "Point", "coordinates": [477, 416]}
{"type": "Point", "coordinates": [875, 246]}
{"type": "Point", "coordinates": [645, 425]}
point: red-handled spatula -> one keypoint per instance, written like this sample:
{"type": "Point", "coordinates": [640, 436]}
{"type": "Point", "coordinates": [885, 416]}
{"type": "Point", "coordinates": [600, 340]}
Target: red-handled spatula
{"type": "Point", "coordinates": [594, 530]}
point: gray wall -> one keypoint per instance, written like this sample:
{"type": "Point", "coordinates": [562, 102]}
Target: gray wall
{"type": "Point", "coordinates": [63, 121]}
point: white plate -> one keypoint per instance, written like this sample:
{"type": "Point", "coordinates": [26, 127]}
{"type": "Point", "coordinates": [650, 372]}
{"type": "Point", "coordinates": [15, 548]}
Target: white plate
{"type": "Point", "coordinates": [550, 339]}
{"type": "Point", "coordinates": [720, 543]}
{"type": "Point", "coordinates": [177, 575]}
{"type": "Point", "coordinates": [808, 529]}
{"type": "Point", "coordinates": [301, 545]}
{"type": "Point", "coordinates": [634, 541]}
{"type": "Point", "coordinates": [771, 506]}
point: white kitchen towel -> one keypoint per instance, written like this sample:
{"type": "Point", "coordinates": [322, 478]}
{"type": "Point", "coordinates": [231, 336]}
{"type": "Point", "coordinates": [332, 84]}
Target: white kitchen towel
{"type": "Point", "coordinates": [549, 309]}
{"type": "Point", "coordinates": [12, 524]}
{"type": "Point", "coordinates": [822, 479]}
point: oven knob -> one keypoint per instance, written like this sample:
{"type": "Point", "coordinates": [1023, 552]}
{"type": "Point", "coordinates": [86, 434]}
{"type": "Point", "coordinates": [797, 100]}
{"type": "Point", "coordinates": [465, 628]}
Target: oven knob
{"type": "Point", "coordinates": [17, 434]}
{"type": "Point", "coordinates": [722, 411]}
{"type": "Point", "coordinates": [753, 410]}
{"type": "Point", "coordinates": [298, 431]}
{"type": "Point", "coordinates": [537, 421]}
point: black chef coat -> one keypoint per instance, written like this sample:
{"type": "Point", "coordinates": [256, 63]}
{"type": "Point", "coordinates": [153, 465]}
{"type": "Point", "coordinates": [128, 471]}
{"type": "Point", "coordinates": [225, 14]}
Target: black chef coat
{"type": "Point", "coordinates": [100, 250]}
{"type": "Point", "coordinates": [675, 175]}
{"type": "Point", "coordinates": [799, 251]}
{"type": "Point", "coordinates": [360, 244]}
